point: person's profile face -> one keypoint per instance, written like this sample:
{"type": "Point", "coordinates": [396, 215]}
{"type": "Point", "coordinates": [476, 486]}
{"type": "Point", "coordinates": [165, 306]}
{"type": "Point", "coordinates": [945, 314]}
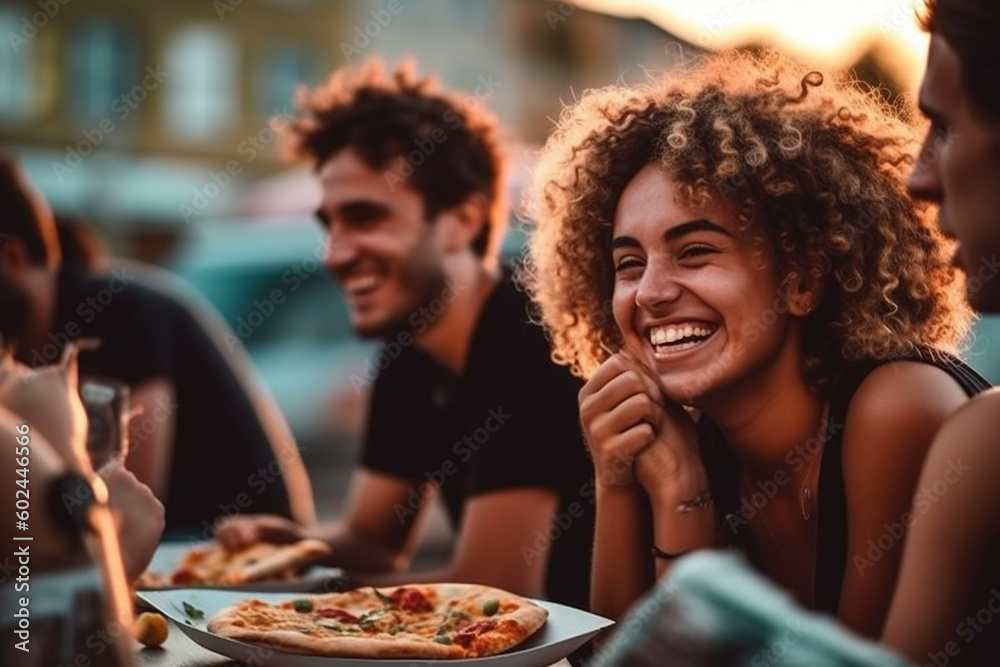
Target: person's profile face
{"type": "Point", "coordinates": [959, 169]}
{"type": "Point", "coordinates": [695, 298]}
{"type": "Point", "coordinates": [381, 250]}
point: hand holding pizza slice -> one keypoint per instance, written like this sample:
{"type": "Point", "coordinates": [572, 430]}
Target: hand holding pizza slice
{"type": "Point", "coordinates": [450, 621]}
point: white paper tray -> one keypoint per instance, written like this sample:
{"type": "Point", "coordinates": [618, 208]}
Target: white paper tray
{"type": "Point", "coordinates": [565, 630]}
{"type": "Point", "coordinates": [168, 555]}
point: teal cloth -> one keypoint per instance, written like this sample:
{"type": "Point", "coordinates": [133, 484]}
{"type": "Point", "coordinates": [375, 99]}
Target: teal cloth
{"type": "Point", "coordinates": [714, 609]}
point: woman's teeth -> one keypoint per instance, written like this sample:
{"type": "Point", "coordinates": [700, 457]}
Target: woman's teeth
{"type": "Point", "coordinates": [679, 337]}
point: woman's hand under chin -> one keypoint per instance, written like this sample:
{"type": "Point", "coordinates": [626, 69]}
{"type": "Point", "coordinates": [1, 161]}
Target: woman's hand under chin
{"type": "Point", "coordinates": [634, 436]}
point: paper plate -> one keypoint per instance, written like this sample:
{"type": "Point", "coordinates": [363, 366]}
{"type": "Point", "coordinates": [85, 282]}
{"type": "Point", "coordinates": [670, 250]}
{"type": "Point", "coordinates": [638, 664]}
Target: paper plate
{"type": "Point", "coordinates": [565, 631]}
{"type": "Point", "coordinates": [315, 578]}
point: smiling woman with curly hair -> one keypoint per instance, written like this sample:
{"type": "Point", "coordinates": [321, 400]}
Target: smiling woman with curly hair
{"type": "Point", "coordinates": [765, 319]}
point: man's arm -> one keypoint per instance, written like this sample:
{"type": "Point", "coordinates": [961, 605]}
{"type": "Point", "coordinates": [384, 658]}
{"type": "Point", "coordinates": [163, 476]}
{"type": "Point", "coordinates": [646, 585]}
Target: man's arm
{"type": "Point", "coordinates": [151, 454]}
{"type": "Point", "coordinates": [378, 532]}
{"type": "Point", "coordinates": [949, 568]}
{"type": "Point", "coordinates": [496, 544]}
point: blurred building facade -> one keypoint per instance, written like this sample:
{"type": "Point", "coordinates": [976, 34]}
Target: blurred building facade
{"type": "Point", "coordinates": [151, 114]}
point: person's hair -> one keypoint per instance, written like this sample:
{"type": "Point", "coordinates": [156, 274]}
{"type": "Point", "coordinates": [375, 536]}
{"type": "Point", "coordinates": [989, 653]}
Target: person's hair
{"type": "Point", "coordinates": [24, 216]}
{"type": "Point", "coordinates": [970, 27]}
{"type": "Point", "coordinates": [815, 170]}
{"type": "Point", "coordinates": [450, 144]}
{"type": "Point", "coordinates": [14, 312]}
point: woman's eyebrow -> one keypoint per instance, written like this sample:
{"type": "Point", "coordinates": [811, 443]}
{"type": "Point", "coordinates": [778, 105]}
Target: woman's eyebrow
{"type": "Point", "coordinates": [677, 231]}
{"type": "Point", "coordinates": [624, 242]}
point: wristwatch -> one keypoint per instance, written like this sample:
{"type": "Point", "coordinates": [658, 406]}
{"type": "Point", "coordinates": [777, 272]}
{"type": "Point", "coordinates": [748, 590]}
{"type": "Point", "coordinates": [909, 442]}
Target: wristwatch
{"type": "Point", "coordinates": [70, 499]}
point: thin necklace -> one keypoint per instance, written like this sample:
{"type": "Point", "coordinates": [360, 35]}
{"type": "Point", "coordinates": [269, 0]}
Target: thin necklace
{"type": "Point", "coordinates": [805, 496]}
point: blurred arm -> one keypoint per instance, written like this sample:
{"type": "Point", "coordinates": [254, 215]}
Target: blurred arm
{"type": "Point", "coordinates": [949, 567]}
{"type": "Point", "coordinates": [496, 544]}
{"type": "Point", "coordinates": [150, 455]}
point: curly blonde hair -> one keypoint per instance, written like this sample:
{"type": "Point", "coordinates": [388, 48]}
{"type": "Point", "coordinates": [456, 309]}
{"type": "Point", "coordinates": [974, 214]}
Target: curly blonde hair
{"type": "Point", "coordinates": [816, 170]}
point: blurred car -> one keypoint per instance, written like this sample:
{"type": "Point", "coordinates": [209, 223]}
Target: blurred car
{"type": "Point", "coordinates": [267, 280]}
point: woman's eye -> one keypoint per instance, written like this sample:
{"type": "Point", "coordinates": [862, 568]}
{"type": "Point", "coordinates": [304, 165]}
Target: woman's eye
{"type": "Point", "coordinates": [695, 251]}
{"type": "Point", "coordinates": [627, 263]}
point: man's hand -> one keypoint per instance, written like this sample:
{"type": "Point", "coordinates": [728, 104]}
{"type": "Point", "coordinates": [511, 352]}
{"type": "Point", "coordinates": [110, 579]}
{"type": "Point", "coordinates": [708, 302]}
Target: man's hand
{"type": "Point", "coordinates": [49, 401]}
{"type": "Point", "coordinates": [140, 517]}
{"type": "Point", "coordinates": [240, 532]}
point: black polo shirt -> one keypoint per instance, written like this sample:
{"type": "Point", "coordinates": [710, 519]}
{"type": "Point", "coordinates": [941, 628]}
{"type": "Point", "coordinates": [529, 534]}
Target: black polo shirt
{"type": "Point", "coordinates": [509, 421]}
{"type": "Point", "coordinates": [222, 459]}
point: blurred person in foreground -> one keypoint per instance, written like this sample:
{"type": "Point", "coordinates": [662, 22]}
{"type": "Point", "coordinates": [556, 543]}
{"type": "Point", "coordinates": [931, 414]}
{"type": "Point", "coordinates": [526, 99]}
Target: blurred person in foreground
{"type": "Point", "coordinates": [946, 604]}
{"type": "Point", "coordinates": [44, 405]}
{"type": "Point", "coordinates": [208, 441]}
{"type": "Point", "coordinates": [469, 405]}
{"type": "Point", "coordinates": [777, 363]}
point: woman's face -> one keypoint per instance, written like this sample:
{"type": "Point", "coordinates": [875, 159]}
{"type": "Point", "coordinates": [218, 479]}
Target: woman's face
{"type": "Point", "coordinates": [695, 299]}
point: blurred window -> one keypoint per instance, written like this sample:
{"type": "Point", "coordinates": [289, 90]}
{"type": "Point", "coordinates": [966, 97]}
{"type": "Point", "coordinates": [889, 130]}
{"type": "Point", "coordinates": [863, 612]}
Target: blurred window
{"type": "Point", "coordinates": [101, 68]}
{"type": "Point", "coordinates": [18, 67]}
{"type": "Point", "coordinates": [284, 67]}
{"type": "Point", "coordinates": [201, 102]}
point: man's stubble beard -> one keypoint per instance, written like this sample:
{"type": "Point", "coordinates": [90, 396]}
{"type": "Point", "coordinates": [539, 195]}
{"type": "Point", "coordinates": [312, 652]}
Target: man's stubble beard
{"type": "Point", "coordinates": [424, 281]}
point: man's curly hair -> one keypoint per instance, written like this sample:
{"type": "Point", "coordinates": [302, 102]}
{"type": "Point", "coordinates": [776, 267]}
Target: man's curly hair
{"type": "Point", "coordinates": [450, 144]}
{"type": "Point", "coordinates": [815, 170]}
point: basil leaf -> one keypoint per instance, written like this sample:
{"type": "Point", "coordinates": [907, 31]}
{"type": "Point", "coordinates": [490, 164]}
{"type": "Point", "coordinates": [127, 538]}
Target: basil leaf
{"type": "Point", "coordinates": [491, 607]}
{"type": "Point", "coordinates": [302, 605]}
{"type": "Point", "coordinates": [193, 612]}
{"type": "Point", "coordinates": [386, 600]}
{"type": "Point", "coordinates": [443, 639]}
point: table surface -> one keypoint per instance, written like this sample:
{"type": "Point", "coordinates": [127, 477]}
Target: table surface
{"type": "Point", "coordinates": [180, 651]}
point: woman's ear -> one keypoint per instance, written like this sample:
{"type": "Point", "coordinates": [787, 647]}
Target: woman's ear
{"type": "Point", "coordinates": [801, 295]}
{"type": "Point", "coordinates": [462, 223]}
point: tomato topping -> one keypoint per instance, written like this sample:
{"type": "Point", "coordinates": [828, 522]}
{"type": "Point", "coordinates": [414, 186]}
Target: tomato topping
{"type": "Point", "coordinates": [470, 632]}
{"type": "Point", "coordinates": [410, 599]}
{"type": "Point", "coordinates": [338, 614]}
{"type": "Point", "coordinates": [182, 577]}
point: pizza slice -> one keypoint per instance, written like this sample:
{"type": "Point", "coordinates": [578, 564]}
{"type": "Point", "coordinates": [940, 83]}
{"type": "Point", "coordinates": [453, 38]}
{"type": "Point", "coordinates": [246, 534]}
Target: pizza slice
{"type": "Point", "coordinates": [428, 621]}
{"type": "Point", "coordinates": [214, 564]}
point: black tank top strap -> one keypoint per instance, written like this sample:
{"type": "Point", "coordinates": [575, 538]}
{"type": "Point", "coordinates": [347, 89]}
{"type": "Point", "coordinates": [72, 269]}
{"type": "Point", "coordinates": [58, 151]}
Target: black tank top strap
{"type": "Point", "coordinates": [832, 532]}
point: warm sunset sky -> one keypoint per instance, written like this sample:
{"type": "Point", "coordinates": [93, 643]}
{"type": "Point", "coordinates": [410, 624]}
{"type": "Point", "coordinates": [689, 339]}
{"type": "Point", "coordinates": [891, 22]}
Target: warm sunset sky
{"type": "Point", "coordinates": [832, 33]}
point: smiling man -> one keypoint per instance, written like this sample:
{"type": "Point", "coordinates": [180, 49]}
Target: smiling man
{"type": "Point", "coordinates": [468, 406]}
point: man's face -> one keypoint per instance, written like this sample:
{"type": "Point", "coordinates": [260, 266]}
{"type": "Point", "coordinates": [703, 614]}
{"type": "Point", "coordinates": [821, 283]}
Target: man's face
{"type": "Point", "coordinates": [382, 251]}
{"type": "Point", "coordinates": [959, 169]}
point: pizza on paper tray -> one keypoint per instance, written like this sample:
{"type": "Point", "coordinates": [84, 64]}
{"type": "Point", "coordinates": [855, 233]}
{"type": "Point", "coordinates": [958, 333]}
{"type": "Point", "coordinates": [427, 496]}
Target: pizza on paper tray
{"type": "Point", "coordinates": [422, 621]}
{"type": "Point", "coordinates": [214, 564]}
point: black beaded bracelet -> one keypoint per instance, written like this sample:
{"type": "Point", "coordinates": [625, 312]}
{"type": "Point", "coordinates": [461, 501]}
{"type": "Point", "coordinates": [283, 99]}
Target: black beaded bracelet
{"type": "Point", "coordinates": [660, 553]}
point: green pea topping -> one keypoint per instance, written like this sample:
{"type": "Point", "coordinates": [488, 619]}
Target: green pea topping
{"type": "Point", "coordinates": [491, 607]}
{"type": "Point", "coordinates": [303, 606]}
{"type": "Point", "coordinates": [443, 639]}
